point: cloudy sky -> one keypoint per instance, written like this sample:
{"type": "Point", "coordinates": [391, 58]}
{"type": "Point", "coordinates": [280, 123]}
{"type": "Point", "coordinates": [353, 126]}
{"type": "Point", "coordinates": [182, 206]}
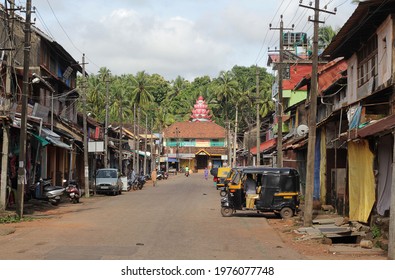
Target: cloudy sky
{"type": "Point", "coordinates": [190, 38]}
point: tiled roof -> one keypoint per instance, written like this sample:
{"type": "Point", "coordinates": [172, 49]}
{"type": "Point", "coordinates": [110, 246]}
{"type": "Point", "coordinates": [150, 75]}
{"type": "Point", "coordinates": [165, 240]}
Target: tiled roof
{"type": "Point", "coordinates": [210, 150]}
{"type": "Point", "coordinates": [328, 74]}
{"type": "Point", "coordinates": [196, 130]}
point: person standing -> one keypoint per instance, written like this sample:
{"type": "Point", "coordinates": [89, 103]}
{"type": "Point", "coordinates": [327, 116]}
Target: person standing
{"type": "Point", "coordinates": [206, 173]}
{"type": "Point", "coordinates": [154, 174]}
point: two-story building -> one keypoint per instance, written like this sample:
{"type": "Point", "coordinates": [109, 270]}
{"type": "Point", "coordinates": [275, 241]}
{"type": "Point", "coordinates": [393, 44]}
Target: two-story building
{"type": "Point", "coordinates": [366, 41]}
{"type": "Point", "coordinates": [198, 143]}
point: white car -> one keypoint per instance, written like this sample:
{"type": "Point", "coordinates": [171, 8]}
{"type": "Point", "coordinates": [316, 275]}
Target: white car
{"type": "Point", "coordinates": [108, 181]}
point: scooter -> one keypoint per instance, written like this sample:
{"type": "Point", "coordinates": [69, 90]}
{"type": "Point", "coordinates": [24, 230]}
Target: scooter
{"type": "Point", "coordinates": [141, 180]}
{"type": "Point", "coordinates": [162, 175]}
{"type": "Point", "coordinates": [43, 190]}
{"type": "Point", "coordinates": [186, 173]}
{"type": "Point", "coordinates": [72, 191]}
{"type": "Point", "coordinates": [133, 183]}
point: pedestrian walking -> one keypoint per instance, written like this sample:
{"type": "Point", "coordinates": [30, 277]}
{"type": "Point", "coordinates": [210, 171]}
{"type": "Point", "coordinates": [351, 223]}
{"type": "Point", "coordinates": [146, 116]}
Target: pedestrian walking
{"type": "Point", "coordinates": [206, 173]}
{"type": "Point", "coordinates": [154, 174]}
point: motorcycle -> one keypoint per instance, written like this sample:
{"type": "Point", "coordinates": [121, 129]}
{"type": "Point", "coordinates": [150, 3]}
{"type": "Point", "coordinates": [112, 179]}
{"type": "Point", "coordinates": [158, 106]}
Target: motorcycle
{"type": "Point", "coordinates": [162, 175]}
{"type": "Point", "coordinates": [43, 190]}
{"type": "Point", "coordinates": [187, 173]}
{"type": "Point", "coordinates": [72, 191]}
{"type": "Point", "coordinates": [141, 180]}
{"type": "Point", "coordinates": [133, 183]}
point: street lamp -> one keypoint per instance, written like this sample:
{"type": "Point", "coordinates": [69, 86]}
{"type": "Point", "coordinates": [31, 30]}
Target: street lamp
{"type": "Point", "coordinates": [37, 79]}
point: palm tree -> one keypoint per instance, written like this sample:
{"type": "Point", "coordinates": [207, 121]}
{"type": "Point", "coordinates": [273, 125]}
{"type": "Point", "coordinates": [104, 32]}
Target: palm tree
{"type": "Point", "coordinates": [141, 89]}
{"type": "Point", "coordinates": [226, 91]}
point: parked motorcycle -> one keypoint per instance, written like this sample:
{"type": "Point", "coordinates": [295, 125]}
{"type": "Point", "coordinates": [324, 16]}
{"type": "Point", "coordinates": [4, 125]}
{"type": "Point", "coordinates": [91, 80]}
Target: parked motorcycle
{"type": "Point", "coordinates": [133, 183]}
{"type": "Point", "coordinates": [43, 190]}
{"type": "Point", "coordinates": [72, 191]}
{"type": "Point", "coordinates": [141, 180]}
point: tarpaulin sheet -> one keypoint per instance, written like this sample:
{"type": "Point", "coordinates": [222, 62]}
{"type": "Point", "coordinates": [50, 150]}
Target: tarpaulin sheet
{"type": "Point", "coordinates": [317, 160]}
{"type": "Point", "coordinates": [323, 167]}
{"type": "Point", "coordinates": [360, 180]}
{"type": "Point", "coordinates": [385, 174]}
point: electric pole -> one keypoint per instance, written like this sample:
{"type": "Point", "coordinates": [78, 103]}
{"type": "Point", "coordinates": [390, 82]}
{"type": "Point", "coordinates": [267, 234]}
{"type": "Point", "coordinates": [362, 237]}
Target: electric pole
{"type": "Point", "coordinates": [85, 127]}
{"type": "Point", "coordinates": [280, 94]}
{"type": "Point", "coordinates": [25, 92]}
{"type": "Point", "coordinates": [6, 106]}
{"type": "Point", "coordinates": [258, 124]}
{"type": "Point", "coordinates": [145, 144]}
{"type": "Point", "coordinates": [235, 138]}
{"type": "Point", "coordinates": [106, 125]}
{"type": "Point", "coordinates": [308, 207]}
{"type": "Point", "coordinates": [120, 133]}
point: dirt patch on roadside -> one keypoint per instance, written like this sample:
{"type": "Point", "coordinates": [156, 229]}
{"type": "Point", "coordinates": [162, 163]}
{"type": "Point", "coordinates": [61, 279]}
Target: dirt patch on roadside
{"type": "Point", "coordinates": [314, 249]}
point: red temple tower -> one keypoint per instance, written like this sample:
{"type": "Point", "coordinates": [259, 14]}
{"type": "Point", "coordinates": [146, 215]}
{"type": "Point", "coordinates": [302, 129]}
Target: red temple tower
{"type": "Point", "coordinates": [200, 112]}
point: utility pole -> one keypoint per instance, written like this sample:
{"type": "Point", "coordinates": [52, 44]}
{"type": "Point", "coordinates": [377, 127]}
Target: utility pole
{"type": "Point", "coordinates": [106, 125]}
{"type": "Point", "coordinates": [134, 140]}
{"type": "Point", "coordinates": [138, 142]}
{"type": "Point", "coordinates": [258, 124]}
{"type": "Point", "coordinates": [280, 94]}
{"type": "Point", "coordinates": [153, 159]}
{"type": "Point", "coordinates": [308, 207]}
{"type": "Point", "coordinates": [85, 127]}
{"type": "Point", "coordinates": [6, 107]}
{"type": "Point", "coordinates": [145, 144]}
{"type": "Point", "coordinates": [25, 92]}
{"type": "Point", "coordinates": [120, 157]}
{"type": "Point", "coordinates": [235, 138]}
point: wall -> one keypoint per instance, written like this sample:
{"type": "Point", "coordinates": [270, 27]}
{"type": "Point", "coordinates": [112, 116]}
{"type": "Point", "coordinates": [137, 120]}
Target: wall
{"type": "Point", "coordinates": [384, 40]}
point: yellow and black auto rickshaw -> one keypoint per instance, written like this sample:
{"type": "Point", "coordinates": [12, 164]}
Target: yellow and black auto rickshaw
{"type": "Point", "coordinates": [262, 189]}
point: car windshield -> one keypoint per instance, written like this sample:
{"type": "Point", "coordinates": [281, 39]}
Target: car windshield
{"type": "Point", "coordinates": [106, 174]}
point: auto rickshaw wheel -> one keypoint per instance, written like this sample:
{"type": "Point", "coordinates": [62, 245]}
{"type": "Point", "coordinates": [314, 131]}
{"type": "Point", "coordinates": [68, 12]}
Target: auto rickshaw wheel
{"type": "Point", "coordinates": [286, 213]}
{"type": "Point", "coordinates": [226, 211]}
{"type": "Point", "coordinates": [222, 193]}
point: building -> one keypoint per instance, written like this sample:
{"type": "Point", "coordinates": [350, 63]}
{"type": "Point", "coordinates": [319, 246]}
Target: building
{"type": "Point", "coordinates": [198, 143]}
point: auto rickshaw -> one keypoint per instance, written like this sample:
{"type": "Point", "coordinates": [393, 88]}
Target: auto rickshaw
{"type": "Point", "coordinates": [220, 177]}
{"type": "Point", "coordinates": [262, 189]}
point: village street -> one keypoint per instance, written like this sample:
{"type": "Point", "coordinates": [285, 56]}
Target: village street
{"type": "Point", "coordinates": [180, 219]}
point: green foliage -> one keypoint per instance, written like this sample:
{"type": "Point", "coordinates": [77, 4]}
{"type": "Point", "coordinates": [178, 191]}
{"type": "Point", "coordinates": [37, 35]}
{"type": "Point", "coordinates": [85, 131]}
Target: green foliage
{"type": "Point", "coordinates": [169, 101]}
{"type": "Point", "coordinates": [376, 231]}
{"type": "Point", "coordinates": [13, 219]}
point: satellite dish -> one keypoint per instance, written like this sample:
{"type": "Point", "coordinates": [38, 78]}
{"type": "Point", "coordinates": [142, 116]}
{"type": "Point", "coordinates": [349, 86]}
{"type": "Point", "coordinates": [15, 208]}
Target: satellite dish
{"type": "Point", "coordinates": [302, 130]}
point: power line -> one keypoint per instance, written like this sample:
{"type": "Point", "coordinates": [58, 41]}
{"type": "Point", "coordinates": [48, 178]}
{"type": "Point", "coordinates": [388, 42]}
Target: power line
{"type": "Point", "coordinates": [67, 35]}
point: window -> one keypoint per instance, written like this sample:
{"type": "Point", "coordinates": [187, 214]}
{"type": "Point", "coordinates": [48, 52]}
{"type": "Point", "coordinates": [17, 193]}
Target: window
{"type": "Point", "coordinates": [367, 61]}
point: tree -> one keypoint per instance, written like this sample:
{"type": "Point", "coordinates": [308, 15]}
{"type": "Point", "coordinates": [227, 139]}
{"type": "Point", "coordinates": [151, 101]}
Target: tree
{"type": "Point", "coordinates": [325, 36]}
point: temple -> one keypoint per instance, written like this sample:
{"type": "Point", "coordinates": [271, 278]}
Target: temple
{"type": "Point", "coordinates": [200, 113]}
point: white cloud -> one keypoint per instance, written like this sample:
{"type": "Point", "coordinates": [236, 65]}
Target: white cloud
{"type": "Point", "coordinates": [171, 37]}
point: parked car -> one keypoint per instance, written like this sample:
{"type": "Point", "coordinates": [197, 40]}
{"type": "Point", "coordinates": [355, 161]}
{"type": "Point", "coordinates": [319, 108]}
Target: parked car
{"type": "Point", "coordinates": [108, 181]}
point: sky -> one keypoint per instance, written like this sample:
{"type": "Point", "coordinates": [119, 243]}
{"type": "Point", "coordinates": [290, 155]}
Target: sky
{"type": "Point", "coordinates": [187, 38]}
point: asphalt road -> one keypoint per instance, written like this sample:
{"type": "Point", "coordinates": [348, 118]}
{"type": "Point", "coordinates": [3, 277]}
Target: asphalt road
{"type": "Point", "coordinates": [179, 219]}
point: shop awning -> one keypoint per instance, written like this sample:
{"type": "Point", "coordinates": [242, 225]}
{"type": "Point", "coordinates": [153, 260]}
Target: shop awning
{"type": "Point", "coordinates": [41, 140]}
{"type": "Point", "coordinates": [172, 160]}
{"type": "Point", "coordinates": [265, 146]}
{"type": "Point", "coordinates": [58, 143]}
{"type": "Point", "coordinates": [54, 139]}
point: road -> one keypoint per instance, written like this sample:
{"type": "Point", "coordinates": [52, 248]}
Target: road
{"type": "Point", "coordinates": [177, 220]}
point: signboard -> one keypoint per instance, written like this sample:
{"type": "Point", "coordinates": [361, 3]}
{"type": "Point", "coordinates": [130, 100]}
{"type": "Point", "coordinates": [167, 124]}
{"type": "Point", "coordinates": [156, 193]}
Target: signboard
{"type": "Point", "coordinates": [95, 146]}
